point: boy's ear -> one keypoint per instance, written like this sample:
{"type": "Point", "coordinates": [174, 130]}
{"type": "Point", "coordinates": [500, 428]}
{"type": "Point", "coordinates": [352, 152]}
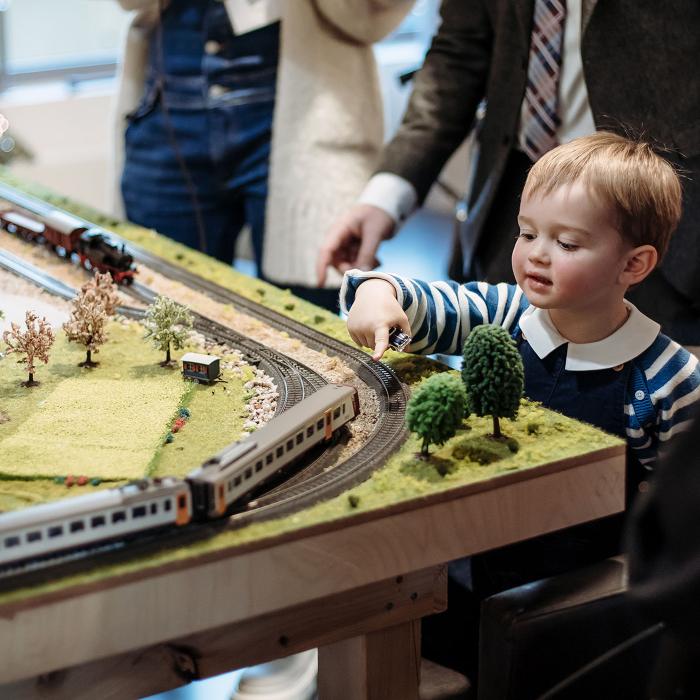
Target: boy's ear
{"type": "Point", "coordinates": [639, 263]}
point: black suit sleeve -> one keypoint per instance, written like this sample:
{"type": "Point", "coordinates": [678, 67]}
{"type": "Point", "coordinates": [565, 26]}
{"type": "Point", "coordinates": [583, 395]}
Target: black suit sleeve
{"type": "Point", "coordinates": [447, 91]}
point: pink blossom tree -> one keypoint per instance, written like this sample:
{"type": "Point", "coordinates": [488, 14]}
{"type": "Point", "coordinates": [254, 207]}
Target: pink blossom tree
{"type": "Point", "coordinates": [33, 343]}
{"type": "Point", "coordinates": [86, 324]}
{"type": "Point", "coordinates": [104, 290]}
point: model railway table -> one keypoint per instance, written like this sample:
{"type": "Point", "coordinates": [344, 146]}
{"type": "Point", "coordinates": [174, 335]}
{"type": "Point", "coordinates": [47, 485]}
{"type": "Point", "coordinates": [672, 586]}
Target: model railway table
{"type": "Point", "coordinates": [351, 576]}
{"type": "Point", "coordinates": [355, 587]}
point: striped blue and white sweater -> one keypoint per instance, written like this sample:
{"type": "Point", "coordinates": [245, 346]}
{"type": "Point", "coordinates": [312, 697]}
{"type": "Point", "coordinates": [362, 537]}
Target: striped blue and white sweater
{"type": "Point", "coordinates": [664, 383]}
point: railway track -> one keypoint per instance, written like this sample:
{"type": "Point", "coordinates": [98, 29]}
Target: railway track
{"type": "Point", "coordinates": [293, 379]}
{"type": "Point", "coordinates": [316, 482]}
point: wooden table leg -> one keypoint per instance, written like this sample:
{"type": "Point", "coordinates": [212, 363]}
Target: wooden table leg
{"type": "Point", "coordinates": [381, 665]}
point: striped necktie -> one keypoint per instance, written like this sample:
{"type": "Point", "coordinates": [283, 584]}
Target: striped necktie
{"type": "Point", "coordinates": [538, 118]}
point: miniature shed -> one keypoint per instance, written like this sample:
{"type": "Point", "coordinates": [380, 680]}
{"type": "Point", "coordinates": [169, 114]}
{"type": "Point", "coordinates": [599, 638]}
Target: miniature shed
{"type": "Point", "coordinates": [201, 367]}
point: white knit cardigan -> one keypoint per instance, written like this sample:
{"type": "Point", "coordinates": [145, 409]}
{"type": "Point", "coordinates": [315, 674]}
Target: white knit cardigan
{"type": "Point", "coordinates": [328, 123]}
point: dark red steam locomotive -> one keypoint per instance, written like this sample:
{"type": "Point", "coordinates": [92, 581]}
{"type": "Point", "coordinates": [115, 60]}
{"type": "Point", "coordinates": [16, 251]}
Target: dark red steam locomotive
{"type": "Point", "coordinates": [70, 238]}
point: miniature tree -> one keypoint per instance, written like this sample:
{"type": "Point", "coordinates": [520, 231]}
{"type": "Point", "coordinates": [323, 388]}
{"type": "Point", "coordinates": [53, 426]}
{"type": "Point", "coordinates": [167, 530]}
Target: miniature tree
{"type": "Point", "coordinates": [167, 323]}
{"type": "Point", "coordinates": [492, 374]}
{"type": "Point", "coordinates": [86, 324]}
{"type": "Point", "coordinates": [34, 343]}
{"type": "Point", "coordinates": [105, 291]}
{"type": "Point", "coordinates": [436, 410]}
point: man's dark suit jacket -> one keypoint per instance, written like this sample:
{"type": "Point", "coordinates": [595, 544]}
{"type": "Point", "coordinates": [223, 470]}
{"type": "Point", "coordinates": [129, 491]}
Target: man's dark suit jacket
{"type": "Point", "coordinates": [641, 61]}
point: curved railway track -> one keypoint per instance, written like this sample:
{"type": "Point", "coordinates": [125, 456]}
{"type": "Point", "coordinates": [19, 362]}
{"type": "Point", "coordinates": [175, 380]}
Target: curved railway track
{"type": "Point", "coordinates": [293, 379]}
{"type": "Point", "coordinates": [316, 483]}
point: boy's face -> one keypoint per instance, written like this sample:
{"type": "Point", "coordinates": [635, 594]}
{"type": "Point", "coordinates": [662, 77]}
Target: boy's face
{"type": "Point", "coordinates": [568, 254]}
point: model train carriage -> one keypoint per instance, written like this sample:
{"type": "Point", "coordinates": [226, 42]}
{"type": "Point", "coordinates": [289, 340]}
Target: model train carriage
{"type": "Point", "coordinates": [61, 232]}
{"type": "Point", "coordinates": [22, 226]}
{"type": "Point", "coordinates": [48, 528]}
{"type": "Point", "coordinates": [236, 470]}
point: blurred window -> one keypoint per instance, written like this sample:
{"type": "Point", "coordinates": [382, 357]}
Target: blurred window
{"type": "Point", "coordinates": [74, 40]}
{"type": "Point", "coordinates": [71, 40]}
{"type": "Point", "coordinates": [420, 24]}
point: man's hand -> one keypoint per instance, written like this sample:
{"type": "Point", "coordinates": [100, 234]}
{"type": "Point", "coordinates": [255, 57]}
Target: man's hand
{"type": "Point", "coordinates": [353, 240]}
{"type": "Point", "coordinates": [374, 312]}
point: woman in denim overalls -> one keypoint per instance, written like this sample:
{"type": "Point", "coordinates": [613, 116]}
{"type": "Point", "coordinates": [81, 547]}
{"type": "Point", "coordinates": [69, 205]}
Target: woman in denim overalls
{"type": "Point", "coordinates": [200, 139]}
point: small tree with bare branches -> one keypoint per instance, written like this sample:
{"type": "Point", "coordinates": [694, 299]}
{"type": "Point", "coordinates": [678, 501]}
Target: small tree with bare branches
{"type": "Point", "coordinates": [167, 323]}
{"type": "Point", "coordinates": [33, 343]}
{"type": "Point", "coordinates": [86, 324]}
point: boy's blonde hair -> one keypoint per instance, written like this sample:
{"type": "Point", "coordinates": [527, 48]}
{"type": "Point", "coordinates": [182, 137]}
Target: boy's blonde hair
{"type": "Point", "coordinates": [642, 188]}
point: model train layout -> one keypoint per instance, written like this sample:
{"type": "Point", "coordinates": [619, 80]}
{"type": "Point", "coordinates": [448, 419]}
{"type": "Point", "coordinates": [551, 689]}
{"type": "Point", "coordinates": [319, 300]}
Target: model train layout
{"type": "Point", "coordinates": [218, 487]}
{"type": "Point", "coordinates": [277, 333]}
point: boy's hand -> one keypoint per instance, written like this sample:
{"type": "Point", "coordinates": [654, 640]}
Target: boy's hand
{"type": "Point", "coordinates": [374, 312]}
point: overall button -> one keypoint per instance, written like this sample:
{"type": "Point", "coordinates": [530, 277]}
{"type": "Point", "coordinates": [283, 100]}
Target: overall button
{"type": "Point", "coordinates": [639, 394]}
{"type": "Point", "coordinates": [212, 47]}
{"type": "Point", "coordinates": [217, 90]}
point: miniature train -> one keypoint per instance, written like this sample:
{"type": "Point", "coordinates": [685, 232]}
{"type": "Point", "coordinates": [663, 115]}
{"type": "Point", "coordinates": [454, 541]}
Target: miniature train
{"type": "Point", "coordinates": [48, 529]}
{"type": "Point", "coordinates": [68, 237]}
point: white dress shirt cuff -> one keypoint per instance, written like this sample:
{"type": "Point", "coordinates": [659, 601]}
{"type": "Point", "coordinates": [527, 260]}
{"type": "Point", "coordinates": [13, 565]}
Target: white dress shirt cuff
{"type": "Point", "coordinates": [395, 195]}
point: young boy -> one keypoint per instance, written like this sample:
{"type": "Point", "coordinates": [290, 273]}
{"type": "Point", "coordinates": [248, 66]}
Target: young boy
{"type": "Point", "coordinates": [595, 218]}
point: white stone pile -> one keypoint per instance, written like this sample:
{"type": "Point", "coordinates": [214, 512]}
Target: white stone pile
{"type": "Point", "coordinates": [263, 403]}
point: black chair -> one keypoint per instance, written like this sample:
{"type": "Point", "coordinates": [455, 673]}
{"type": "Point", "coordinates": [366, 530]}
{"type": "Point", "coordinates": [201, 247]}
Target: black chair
{"type": "Point", "coordinates": [536, 636]}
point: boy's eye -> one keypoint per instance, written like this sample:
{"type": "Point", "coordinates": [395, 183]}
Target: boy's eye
{"type": "Point", "coordinates": [568, 246]}
{"type": "Point", "coordinates": [527, 235]}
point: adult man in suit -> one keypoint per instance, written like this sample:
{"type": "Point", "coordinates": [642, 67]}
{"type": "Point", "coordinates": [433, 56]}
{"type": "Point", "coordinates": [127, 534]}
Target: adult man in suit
{"type": "Point", "coordinates": [628, 66]}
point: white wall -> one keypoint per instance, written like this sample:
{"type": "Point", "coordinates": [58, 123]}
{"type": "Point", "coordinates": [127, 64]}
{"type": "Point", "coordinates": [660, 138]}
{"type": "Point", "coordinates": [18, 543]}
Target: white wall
{"type": "Point", "coordinates": [69, 135]}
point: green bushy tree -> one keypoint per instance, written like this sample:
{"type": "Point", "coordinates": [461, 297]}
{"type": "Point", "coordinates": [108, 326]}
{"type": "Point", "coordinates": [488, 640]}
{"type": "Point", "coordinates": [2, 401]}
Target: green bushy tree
{"type": "Point", "coordinates": [167, 323]}
{"type": "Point", "coordinates": [436, 409]}
{"type": "Point", "coordinates": [492, 374]}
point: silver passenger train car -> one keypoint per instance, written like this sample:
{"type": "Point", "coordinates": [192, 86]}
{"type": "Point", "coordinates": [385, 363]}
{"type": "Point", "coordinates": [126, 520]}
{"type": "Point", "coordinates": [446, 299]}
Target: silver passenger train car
{"type": "Point", "coordinates": [114, 514]}
{"type": "Point", "coordinates": [47, 528]}
{"type": "Point", "coordinates": [229, 475]}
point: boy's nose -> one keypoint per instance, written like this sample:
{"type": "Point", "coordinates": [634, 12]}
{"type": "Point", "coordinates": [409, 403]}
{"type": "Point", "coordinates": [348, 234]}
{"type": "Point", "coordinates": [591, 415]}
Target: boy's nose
{"type": "Point", "coordinates": [538, 252]}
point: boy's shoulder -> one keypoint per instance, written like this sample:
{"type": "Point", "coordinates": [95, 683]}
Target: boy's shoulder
{"type": "Point", "coordinates": [666, 361]}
